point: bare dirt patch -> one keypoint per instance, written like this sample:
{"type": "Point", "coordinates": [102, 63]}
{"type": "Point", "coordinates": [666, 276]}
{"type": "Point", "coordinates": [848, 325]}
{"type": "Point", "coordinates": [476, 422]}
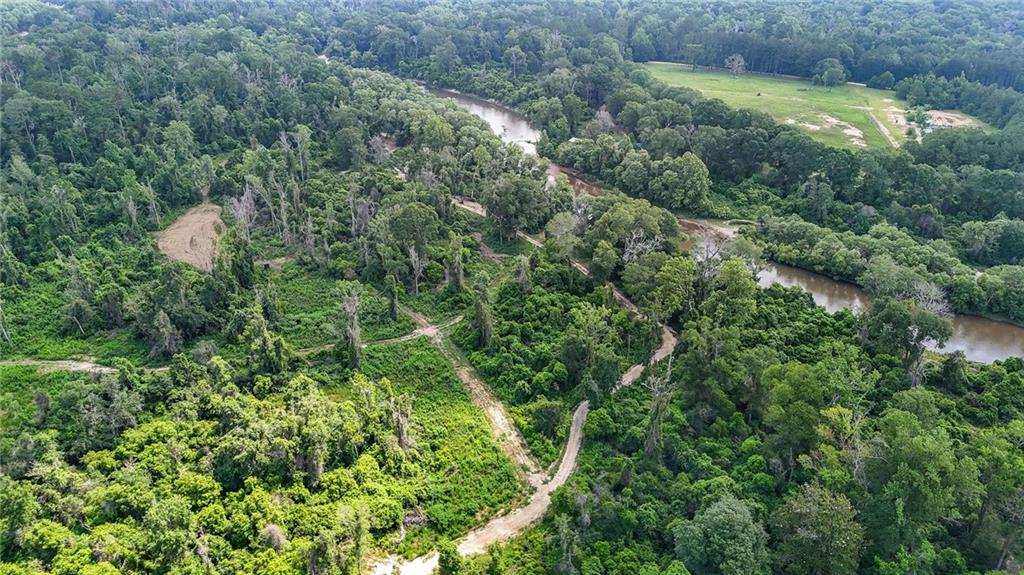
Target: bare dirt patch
{"type": "Point", "coordinates": [944, 119]}
{"type": "Point", "coordinates": [854, 133]}
{"type": "Point", "coordinates": [87, 365]}
{"type": "Point", "coordinates": [193, 237]}
{"type": "Point", "coordinates": [273, 263]}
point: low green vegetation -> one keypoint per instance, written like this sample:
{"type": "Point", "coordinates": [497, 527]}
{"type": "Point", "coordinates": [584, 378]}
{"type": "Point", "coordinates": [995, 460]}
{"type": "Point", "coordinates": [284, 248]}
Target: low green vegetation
{"type": "Point", "coordinates": [306, 309]}
{"type": "Point", "coordinates": [258, 420]}
{"type": "Point", "coordinates": [465, 477]}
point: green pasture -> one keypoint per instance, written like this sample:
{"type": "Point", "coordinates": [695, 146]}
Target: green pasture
{"type": "Point", "coordinates": [802, 104]}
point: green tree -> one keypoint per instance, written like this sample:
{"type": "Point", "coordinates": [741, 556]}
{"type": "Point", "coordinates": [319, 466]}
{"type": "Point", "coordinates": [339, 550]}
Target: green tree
{"type": "Point", "coordinates": [449, 561]}
{"type": "Point", "coordinates": [516, 203]}
{"type": "Point", "coordinates": [829, 73]}
{"type": "Point", "coordinates": [818, 533]}
{"type": "Point", "coordinates": [903, 328]}
{"type": "Point", "coordinates": [723, 539]}
{"type": "Point", "coordinates": [673, 289]}
{"type": "Point", "coordinates": [916, 480]}
{"type": "Point", "coordinates": [604, 261]}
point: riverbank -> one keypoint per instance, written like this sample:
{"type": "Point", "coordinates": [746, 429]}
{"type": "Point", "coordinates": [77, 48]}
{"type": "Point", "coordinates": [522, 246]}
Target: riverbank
{"type": "Point", "coordinates": [980, 339]}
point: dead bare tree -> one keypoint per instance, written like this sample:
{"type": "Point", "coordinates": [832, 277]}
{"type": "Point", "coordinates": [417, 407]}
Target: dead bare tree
{"type": "Point", "coordinates": [244, 210]}
{"type": "Point", "coordinates": [660, 387]}
{"type": "Point", "coordinates": [5, 333]}
{"type": "Point", "coordinates": [418, 264]}
{"type": "Point", "coordinates": [455, 270]}
{"type": "Point", "coordinates": [736, 63]}
{"type": "Point", "coordinates": [255, 184]}
{"type": "Point", "coordinates": [286, 230]}
{"type": "Point", "coordinates": [131, 209]}
{"type": "Point", "coordinates": [639, 245]}
{"type": "Point", "coordinates": [521, 273]}
{"type": "Point", "coordinates": [359, 211]}
{"type": "Point", "coordinates": [401, 414]}
{"type": "Point", "coordinates": [582, 212]}
{"type": "Point", "coordinates": [379, 149]}
{"type": "Point", "coordinates": [154, 209]}
{"type": "Point", "coordinates": [348, 328]}
{"type": "Point", "coordinates": [308, 237]}
{"type": "Point", "coordinates": [1012, 510]}
{"type": "Point", "coordinates": [708, 256]}
{"type": "Point", "coordinates": [931, 298]}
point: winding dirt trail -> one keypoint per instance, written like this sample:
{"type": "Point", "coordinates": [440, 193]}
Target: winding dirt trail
{"type": "Point", "coordinates": [509, 525]}
{"type": "Point", "coordinates": [505, 527]}
{"type": "Point", "coordinates": [503, 429]}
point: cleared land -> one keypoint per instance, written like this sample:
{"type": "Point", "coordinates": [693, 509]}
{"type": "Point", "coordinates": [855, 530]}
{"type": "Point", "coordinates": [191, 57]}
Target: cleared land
{"type": "Point", "coordinates": [192, 238]}
{"type": "Point", "coordinates": [849, 116]}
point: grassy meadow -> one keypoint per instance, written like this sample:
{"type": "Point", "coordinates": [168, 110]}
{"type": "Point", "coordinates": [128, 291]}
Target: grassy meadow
{"type": "Point", "coordinates": [849, 116]}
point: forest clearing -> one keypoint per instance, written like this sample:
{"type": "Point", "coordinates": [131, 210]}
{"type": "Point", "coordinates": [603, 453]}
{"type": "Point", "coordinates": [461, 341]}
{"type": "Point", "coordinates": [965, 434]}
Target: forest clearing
{"type": "Point", "coordinates": [849, 115]}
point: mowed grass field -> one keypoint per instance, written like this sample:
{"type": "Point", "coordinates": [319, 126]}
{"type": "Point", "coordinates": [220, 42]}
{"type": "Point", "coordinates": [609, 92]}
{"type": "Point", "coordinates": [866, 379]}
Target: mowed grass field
{"type": "Point", "coordinates": [849, 116]}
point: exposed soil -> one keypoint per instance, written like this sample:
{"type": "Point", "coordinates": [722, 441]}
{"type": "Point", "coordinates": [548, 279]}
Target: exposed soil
{"type": "Point", "coordinates": [47, 365]}
{"type": "Point", "coordinates": [506, 526]}
{"type": "Point", "coordinates": [944, 119]}
{"type": "Point", "coordinates": [193, 237]}
{"type": "Point", "coordinates": [504, 430]}
{"type": "Point", "coordinates": [855, 135]}
{"type": "Point", "coordinates": [509, 525]}
{"type": "Point", "coordinates": [61, 365]}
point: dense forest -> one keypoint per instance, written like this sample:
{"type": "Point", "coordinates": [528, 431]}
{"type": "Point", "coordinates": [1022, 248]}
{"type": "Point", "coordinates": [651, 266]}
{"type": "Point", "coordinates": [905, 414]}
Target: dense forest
{"type": "Point", "coordinates": [385, 335]}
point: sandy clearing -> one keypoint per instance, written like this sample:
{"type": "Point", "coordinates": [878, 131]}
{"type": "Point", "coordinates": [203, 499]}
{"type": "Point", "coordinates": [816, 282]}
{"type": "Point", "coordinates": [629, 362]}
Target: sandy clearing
{"type": "Point", "coordinates": [855, 135]}
{"type": "Point", "coordinates": [949, 119]}
{"type": "Point", "coordinates": [193, 237]}
{"type": "Point", "coordinates": [47, 366]}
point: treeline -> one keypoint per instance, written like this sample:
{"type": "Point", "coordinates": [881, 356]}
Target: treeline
{"type": "Point", "coordinates": [970, 38]}
{"type": "Point", "coordinates": [996, 105]}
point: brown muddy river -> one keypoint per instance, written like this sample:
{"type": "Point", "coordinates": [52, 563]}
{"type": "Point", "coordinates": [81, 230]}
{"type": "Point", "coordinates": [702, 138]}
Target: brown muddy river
{"type": "Point", "coordinates": [980, 339]}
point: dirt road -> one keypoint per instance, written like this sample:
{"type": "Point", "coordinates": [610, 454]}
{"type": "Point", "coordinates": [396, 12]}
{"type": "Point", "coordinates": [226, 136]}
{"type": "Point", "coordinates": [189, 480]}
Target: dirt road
{"type": "Point", "coordinates": [193, 237]}
{"type": "Point", "coordinates": [881, 127]}
{"type": "Point", "coordinates": [503, 429]}
{"type": "Point", "coordinates": [47, 365]}
{"type": "Point", "coordinates": [60, 365]}
{"type": "Point", "coordinates": [509, 525]}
